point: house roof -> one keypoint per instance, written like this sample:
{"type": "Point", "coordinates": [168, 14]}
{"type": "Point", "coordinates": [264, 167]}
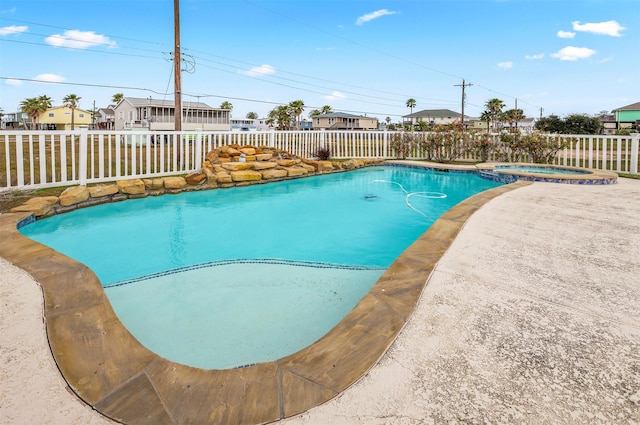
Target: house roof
{"type": "Point", "coordinates": [434, 113]}
{"type": "Point", "coordinates": [67, 107]}
{"type": "Point", "coordinates": [632, 107]}
{"type": "Point", "coordinates": [142, 101]}
{"type": "Point", "coordinates": [339, 115]}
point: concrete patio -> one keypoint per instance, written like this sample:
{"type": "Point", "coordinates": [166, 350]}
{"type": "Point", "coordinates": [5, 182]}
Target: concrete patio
{"type": "Point", "coordinates": [530, 317]}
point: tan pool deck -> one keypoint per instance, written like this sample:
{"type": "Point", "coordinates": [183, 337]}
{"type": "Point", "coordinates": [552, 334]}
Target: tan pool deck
{"type": "Point", "coordinates": [531, 314]}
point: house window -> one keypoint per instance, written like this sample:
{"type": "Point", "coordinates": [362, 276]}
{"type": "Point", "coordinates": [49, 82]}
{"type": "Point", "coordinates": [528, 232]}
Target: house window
{"type": "Point", "coordinates": [121, 115]}
{"type": "Point", "coordinates": [81, 115]}
{"type": "Point", "coordinates": [50, 114]}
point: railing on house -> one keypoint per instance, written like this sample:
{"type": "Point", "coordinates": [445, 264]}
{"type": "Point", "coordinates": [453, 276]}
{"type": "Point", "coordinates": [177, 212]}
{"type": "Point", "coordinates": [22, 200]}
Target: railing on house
{"type": "Point", "coordinates": [37, 159]}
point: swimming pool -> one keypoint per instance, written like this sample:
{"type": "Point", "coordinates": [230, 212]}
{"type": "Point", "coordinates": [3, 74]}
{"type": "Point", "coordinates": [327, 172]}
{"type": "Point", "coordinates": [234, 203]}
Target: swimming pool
{"type": "Point", "coordinates": [197, 252]}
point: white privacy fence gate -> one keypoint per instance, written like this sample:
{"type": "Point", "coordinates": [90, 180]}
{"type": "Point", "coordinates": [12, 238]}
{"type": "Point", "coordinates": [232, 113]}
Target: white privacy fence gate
{"type": "Point", "coordinates": [36, 159]}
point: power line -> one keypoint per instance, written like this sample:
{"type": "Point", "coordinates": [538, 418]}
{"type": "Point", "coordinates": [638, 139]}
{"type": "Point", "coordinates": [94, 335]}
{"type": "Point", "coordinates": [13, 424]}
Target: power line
{"type": "Point", "coordinates": [304, 23]}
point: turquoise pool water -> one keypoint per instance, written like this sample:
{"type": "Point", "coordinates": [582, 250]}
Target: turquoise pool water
{"type": "Point", "coordinates": [225, 278]}
{"type": "Point", "coordinates": [540, 169]}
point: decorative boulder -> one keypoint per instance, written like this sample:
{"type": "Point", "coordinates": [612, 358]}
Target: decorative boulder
{"type": "Point", "coordinates": [37, 206]}
{"type": "Point", "coordinates": [153, 184]}
{"type": "Point", "coordinates": [248, 151]}
{"type": "Point", "coordinates": [264, 165]}
{"type": "Point", "coordinates": [296, 171]}
{"type": "Point", "coordinates": [195, 179]}
{"type": "Point", "coordinates": [223, 177]}
{"type": "Point", "coordinates": [103, 190]}
{"type": "Point", "coordinates": [245, 175]}
{"type": "Point", "coordinates": [273, 173]}
{"type": "Point", "coordinates": [263, 156]}
{"type": "Point", "coordinates": [287, 162]}
{"type": "Point", "coordinates": [237, 166]}
{"type": "Point", "coordinates": [172, 183]}
{"type": "Point", "coordinates": [131, 187]}
{"type": "Point", "coordinates": [73, 195]}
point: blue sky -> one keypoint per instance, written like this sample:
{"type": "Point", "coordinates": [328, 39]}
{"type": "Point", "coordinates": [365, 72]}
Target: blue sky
{"type": "Point", "coordinates": [358, 56]}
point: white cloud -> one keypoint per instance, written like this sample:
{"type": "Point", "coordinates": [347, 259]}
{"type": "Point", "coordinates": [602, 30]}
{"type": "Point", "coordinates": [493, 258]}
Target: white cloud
{"type": "Point", "coordinates": [49, 78]}
{"type": "Point", "coordinates": [79, 40]}
{"type": "Point", "coordinates": [13, 29]}
{"type": "Point", "coordinates": [336, 95]}
{"type": "Point", "coordinates": [571, 53]}
{"type": "Point", "coordinates": [505, 65]}
{"type": "Point", "coordinates": [258, 71]}
{"type": "Point", "coordinates": [13, 82]}
{"type": "Point", "coordinates": [566, 34]}
{"type": "Point", "coordinates": [534, 57]}
{"type": "Point", "coordinates": [373, 15]}
{"type": "Point", "coordinates": [611, 28]}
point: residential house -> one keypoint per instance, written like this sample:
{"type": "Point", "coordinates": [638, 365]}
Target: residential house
{"type": "Point", "coordinates": [343, 121]}
{"type": "Point", "coordinates": [15, 120]}
{"type": "Point", "coordinates": [105, 118]}
{"type": "Point", "coordinates": [432, 117]}
{"type": "Point", "coordinates": [59, 118]}
{"type": "Point", "coordinates": [525, 125]}
{"type": "Point", "coordinates": [628, 116]}
{"type": "Point", "coordinates": [133, 113]}
{"type": "Point", "coordinates": [248, 124]}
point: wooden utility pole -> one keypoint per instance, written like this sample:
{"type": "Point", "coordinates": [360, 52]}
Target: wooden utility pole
{"type": "Point", "coordinates": [463, 85]}
{"type": "Point", "coordinates": [177, 65]}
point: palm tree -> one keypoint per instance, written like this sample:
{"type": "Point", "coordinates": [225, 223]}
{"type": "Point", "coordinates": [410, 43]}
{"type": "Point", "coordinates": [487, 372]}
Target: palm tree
{"type": "Point", "coordinates": [280, 118]}
{"type": "Point", "coordinates": [252, 115]}
{"type": "Point", "coordinates": [34, 106]}
{"type": "Point", "coordinates": [117, 98]}
{"type": "Point", "coordinates": [411, 103]}
{"type": "Point", "coordinates": [494, 106]}
{"type": "Point", "coordinates": [226, 105]}
{"type": "Point", "coordinates": [326, 109]}
{"type": "Point", "coordinates": [513, 116]}
{"type": "Point", "coordinates": [296, 107]}
{"type": "Point", "coordinates": [71, 101]}
{"type": "Point", "coordinates": [486, 117]}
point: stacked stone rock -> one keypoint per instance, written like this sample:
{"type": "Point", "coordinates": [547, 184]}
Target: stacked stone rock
{"type": "Point", "coordinates": [226, 166]}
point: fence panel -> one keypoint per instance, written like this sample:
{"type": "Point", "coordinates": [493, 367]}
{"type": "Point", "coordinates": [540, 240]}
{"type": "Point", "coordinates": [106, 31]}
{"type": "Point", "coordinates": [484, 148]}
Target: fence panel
{"type": "Point", "coordinates": [34, 159]}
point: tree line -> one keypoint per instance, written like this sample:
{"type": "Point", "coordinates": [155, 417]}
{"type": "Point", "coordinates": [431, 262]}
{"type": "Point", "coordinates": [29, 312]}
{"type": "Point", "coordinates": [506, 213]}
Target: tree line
{"type": "Point", "coordinates": [287, 117]}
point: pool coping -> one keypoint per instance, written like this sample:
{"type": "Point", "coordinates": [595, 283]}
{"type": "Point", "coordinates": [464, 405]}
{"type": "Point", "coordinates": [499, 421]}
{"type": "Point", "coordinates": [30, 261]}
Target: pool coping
{"type": "Point", "coordinates": [111, 371]}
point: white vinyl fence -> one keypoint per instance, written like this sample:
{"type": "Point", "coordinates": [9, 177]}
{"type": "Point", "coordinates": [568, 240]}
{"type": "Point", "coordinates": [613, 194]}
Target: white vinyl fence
{"type": "Point", "coordinates": [37, 159]}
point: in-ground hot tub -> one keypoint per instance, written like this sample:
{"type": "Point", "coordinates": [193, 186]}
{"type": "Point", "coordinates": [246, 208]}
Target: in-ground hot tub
{"type": "Point", "coordinates": [507, 173]}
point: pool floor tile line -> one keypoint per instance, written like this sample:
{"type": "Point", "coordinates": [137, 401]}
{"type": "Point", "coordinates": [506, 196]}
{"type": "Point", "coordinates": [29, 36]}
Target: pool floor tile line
{"type": "Point", "coordinates": [112, 372]}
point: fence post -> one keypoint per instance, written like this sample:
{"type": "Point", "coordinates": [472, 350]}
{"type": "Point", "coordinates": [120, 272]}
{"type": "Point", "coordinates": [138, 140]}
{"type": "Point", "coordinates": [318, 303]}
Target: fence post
{"type": "Point", "coordinates": [634, 154]}
{"type": "Point", "coordinates": [198, 162]}
{"type": "Point", "coordinates": [19, 163]}
{"type": "Point", "coordinates": [385, 142]}
{"type": "Point", "coordinates": [272, 136]}
{"type": "Point", "coordinates": [82, 153]}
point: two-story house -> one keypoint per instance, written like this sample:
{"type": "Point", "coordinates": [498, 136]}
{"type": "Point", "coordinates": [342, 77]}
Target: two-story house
{"type": "Point", "coordinates": [432, 117]}
{"type": "Point", "coordinates": [628, 116]}
{"type": "Point", "coordinates": [134, 113]}
{"type": "Point", "coordinates": [105, 118]}
{"type": "Point", "coordinates": [343, 121]}
{"type": "Point", "coordinates": [59, 118]}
